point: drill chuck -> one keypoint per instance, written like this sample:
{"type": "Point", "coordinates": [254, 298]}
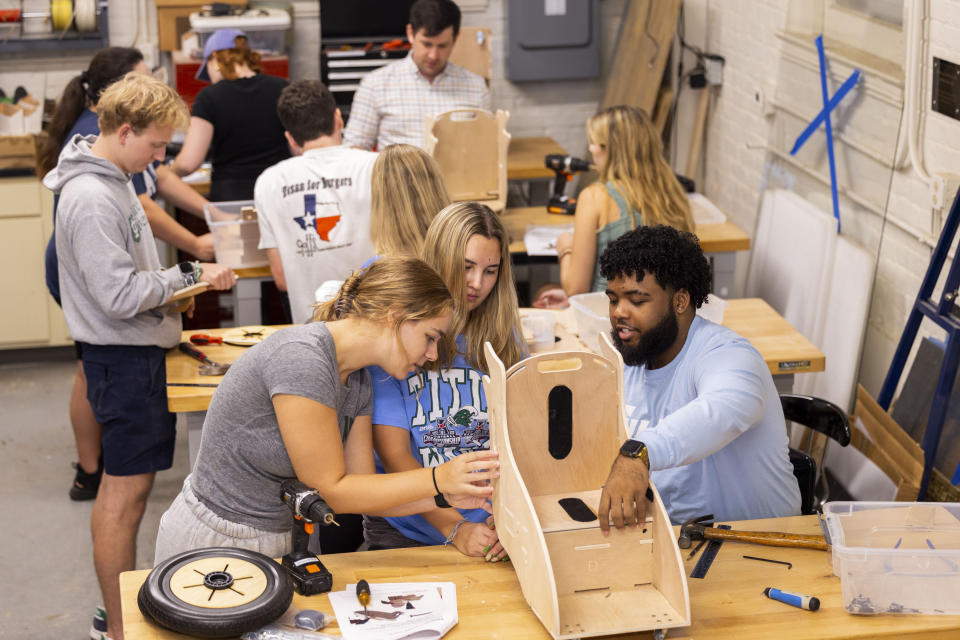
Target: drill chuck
{"type": "Point", "coordinates": [566, 163]}
{"type": "Point", "coordinates": [306, 503]}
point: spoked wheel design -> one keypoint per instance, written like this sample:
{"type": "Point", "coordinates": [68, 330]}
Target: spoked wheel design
{"type": "Point", "coordinates": [215, 593]}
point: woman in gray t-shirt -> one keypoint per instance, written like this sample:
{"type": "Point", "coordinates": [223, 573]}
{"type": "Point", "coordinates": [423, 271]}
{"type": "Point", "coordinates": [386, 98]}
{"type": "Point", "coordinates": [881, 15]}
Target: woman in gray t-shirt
{"type": "Point", "coordinates": [278, 411]}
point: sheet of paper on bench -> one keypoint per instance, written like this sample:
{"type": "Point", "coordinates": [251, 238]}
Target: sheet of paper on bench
{"type": "Point", "coordinates": [704, 211]}
{"type": "Point", "coordinates": [431, 616]}
{"type": "Point", "coordinates": [541, 240]}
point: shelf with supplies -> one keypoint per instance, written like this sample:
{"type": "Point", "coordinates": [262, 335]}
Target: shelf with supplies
{"type": "Point", "coordinates": [35, 32]}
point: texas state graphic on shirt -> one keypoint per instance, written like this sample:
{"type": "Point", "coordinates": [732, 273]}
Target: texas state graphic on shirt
{"type": "Point", "coordinates": [322, 224]}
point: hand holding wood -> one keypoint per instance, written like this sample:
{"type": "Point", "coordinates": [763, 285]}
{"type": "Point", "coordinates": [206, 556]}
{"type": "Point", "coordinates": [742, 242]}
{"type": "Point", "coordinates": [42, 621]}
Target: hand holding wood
{"type": "Point", "coordinates": [623, 498]}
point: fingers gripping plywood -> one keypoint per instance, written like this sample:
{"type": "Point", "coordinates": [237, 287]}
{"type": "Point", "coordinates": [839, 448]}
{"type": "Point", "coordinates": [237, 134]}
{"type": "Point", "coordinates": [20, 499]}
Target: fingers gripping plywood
{"type": "Point", "coordinates": [557, 445]}
{"type": "Point", "coordinates": [470, 145]}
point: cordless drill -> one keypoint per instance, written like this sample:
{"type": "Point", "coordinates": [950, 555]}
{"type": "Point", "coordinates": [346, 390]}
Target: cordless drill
{"type": "Point", "coordinates": [565, 167]}
{"type": "Point", "coordinates": [308, 508]}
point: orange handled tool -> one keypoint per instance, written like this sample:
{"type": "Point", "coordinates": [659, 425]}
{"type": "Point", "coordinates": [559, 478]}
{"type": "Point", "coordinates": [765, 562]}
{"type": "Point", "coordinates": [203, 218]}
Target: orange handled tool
{"type": "Point", "coordinates": [203, 338]}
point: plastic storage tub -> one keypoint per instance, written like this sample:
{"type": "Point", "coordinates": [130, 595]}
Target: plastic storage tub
{"type": "Point", "coordinates": [236, 234]}
{"type": "Point", "coordinates": [592, 313]}
{"type": "Point", "coordinates": [896, 557]}
{"type": "Point", "coordinates": [266, 29]}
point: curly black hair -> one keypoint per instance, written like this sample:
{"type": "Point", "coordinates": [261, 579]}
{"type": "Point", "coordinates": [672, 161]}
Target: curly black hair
{"type": "Point", "coordinates": [673, 257]}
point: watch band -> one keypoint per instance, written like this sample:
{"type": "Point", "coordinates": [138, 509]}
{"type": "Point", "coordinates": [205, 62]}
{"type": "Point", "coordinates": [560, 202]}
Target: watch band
{"type": "Point", "coordinates": [635, 449]}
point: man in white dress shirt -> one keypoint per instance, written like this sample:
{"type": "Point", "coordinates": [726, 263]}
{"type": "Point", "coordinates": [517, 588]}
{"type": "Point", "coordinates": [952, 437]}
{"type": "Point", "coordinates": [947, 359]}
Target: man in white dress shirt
{"type": "Point", "coordinates": [392, 103]}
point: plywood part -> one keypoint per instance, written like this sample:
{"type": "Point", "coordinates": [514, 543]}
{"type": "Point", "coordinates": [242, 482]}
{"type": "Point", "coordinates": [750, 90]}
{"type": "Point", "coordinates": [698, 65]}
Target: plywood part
{"type": "Point", "coordinates": [472, 51]}
{"type": "Point", "coordinates": [643, 46]}
{"type": "Point", "coordinates": [557, 420]}
{"type": "Point", "coordinates": [470, 145]}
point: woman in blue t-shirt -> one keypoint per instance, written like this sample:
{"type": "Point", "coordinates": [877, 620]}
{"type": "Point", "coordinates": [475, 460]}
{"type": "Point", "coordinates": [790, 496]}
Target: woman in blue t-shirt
{"type": "Point", "coordinates": [433, 416]}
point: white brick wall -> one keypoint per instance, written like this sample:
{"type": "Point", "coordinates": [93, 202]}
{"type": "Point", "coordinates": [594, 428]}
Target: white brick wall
{"type": "Point", "coordinates": [734, 173]}
{"type": "Point", "coordinates": [558, 109]}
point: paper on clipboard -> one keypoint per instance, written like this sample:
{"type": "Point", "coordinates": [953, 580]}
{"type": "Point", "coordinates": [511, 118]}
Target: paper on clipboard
{"type": "Point", "coordinates": [427, 611]}
{"type": "Point", "coordinates": [541, 240]}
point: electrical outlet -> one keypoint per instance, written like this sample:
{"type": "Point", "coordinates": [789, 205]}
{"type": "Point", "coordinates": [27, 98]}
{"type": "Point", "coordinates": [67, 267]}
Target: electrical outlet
{"type": "Point", "coordinates": [714, 69]}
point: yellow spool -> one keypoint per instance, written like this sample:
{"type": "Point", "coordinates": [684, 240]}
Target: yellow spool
{"type": "Point", "coordinates": [61, 12]}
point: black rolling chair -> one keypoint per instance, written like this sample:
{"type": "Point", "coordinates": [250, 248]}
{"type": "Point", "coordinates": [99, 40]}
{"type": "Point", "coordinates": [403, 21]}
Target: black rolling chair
{"type": "Point", "coordinates": [822, 416]}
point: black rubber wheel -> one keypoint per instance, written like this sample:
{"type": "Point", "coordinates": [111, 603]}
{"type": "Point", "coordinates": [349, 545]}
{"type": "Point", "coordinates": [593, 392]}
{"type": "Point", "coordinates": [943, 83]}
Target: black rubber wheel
{"type": "Point", "coordinates": [217, 592]}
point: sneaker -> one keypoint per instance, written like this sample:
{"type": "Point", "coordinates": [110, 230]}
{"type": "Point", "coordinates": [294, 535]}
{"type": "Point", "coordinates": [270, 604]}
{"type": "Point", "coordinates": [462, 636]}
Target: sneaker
{"type": "Point", "coordinates": [85, 484]}
{"type": "Point", "coordinates": [98, 630]}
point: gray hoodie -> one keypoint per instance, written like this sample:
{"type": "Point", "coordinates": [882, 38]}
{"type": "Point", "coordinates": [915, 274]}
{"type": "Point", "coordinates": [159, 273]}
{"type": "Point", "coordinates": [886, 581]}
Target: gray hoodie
{"type": "Point", "coordinates": [111, 282]}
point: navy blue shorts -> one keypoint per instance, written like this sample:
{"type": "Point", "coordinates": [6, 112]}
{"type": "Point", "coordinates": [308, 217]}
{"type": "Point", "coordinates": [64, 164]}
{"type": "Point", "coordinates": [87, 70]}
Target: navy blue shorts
{"type": "Point", "coordinates": [127, 389]}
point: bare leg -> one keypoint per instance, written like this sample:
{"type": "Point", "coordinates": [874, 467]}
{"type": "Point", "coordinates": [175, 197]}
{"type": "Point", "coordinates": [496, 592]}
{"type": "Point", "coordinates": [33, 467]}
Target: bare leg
{"type": "Point", "coordinates": [114, 523]}
{"type": "Point", "coordinates": [86, 429]}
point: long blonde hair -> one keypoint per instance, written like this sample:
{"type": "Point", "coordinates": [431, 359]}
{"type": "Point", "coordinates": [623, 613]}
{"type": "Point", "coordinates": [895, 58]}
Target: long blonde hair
{"type": "Point", "coordinates": [636, 167]}
{"type": "Point", "coordinates": [496, 319]}
{"type": "Point", "coordinates": [407, 193]}
{"type": "Point", "coordinates": [401, 288]}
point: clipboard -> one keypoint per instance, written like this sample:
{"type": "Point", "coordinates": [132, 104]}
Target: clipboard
{"type": "Point", "coordinates": [183, 296]}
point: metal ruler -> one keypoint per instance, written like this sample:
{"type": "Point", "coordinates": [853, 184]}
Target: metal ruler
{"type": "Point", "coordinates": [706, 559]}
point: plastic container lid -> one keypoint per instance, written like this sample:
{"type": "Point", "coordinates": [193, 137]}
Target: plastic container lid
{"type": "Point", "coordinates": [250, 20]}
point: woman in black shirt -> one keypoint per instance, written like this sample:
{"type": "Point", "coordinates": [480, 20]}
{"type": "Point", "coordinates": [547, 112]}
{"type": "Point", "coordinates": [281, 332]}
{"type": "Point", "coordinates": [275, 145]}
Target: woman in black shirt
{"type": "Point", "coordinates": [235, 118]}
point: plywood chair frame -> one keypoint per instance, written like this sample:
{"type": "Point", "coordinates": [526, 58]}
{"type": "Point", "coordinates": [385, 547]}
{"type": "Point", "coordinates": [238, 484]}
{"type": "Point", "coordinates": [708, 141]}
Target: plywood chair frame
{"type": "Point", "coordinates": [466, 180]}
{"type": "Point", "coordinates": [578, 582]}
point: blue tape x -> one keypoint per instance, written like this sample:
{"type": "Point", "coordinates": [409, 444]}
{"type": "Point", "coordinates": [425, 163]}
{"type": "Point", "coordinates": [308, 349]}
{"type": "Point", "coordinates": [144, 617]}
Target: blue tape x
{"type": "Point", "coordinates": [829, 104]}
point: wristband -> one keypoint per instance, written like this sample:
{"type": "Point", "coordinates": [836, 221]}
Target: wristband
{"type": "Point", "coordinates": [197, 270]}
{"type": "Point", "coordinates": [438, 499]}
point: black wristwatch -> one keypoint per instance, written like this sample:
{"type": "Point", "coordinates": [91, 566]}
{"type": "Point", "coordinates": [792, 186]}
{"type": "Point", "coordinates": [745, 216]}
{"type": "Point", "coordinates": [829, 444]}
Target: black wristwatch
{"type": "Point", "coordinates": [188, 273]}
{"type": "Point", "coordinates": [635, 449]}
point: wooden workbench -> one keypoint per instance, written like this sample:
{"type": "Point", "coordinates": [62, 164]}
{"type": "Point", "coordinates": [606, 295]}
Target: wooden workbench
{"type": "Point", "coordinates": [525, 161]}
{"type": "Point", "coordinates": [714, 238]}
{"type": "Point", "coordinates": [727, 603]}
{"type": "Point", "coordinates": [784, 349]}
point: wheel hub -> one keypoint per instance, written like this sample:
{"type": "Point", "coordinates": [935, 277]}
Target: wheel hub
{"type": "Point", "coordinates": [217, 580]}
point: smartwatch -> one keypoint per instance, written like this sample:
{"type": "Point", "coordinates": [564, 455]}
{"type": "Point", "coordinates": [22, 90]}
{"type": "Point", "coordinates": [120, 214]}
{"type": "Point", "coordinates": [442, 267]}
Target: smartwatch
{"type": "Point", "coordinates": [188, 273]}
{"type": "Point", "coordinates": [635, 449]}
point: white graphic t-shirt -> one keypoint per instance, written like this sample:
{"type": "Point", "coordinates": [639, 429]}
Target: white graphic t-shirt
{"type": "Point", "coordinates": [315, 210]}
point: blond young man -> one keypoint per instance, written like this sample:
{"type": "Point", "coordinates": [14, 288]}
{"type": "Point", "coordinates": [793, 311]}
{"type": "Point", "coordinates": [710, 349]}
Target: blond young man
{"type": "Point", "coordinates": [113, 289]}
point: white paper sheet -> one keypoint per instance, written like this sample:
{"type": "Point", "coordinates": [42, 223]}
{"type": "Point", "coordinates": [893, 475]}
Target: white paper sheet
{"type": "Point", "coordinates": [430, 616]}
{"type": "Point", "coordinates": [542, 240]}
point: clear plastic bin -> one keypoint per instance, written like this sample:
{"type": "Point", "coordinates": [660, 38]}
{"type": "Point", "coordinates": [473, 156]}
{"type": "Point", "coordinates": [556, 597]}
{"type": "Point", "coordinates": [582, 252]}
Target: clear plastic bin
{"type": "Point", "coordinates": [236, 234]}
{"type": "Point", "coordinates": [896, 557]}
{"type": "Point", "coordinates": [266, 29]}
{"type": "Point", "coordinates": [592, 312]}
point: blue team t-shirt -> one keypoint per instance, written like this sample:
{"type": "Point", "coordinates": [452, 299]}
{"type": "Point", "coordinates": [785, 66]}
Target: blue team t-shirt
{"type": "Point", "coordinates": [145, 182]}
{"type": "Point", "coordinates": [446, 414]}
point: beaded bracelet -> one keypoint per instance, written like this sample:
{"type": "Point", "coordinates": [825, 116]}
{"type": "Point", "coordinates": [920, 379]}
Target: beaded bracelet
{"type": "Point", "coordinates": [453, 534]}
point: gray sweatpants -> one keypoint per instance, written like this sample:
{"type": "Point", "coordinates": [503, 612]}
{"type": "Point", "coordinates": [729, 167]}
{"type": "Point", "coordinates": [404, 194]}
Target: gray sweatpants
{"type": "Point", "coordinates": [189, 524]}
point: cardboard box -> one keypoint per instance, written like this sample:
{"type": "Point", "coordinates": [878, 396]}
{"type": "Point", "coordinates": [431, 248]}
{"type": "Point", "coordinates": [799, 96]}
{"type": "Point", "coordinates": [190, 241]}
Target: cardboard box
{"type": "Point", "coordinates": [18, 152]}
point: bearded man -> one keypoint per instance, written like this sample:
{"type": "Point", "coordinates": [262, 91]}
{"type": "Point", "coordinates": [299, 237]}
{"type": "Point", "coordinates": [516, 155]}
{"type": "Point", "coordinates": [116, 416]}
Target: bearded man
{"type": "Point", "coordinates": [704, 417]}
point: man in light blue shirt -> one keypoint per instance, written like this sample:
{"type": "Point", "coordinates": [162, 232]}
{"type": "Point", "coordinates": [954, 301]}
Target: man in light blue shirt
{"type": "Point", "coordinates": [703, 414]}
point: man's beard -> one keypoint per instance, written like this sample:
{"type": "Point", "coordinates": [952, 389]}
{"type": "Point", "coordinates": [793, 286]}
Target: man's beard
{"type": "Point", "coordinates": [651, 344]}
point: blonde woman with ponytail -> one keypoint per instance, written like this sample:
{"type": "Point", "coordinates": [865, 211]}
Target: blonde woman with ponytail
{"type": "Point", "coordinates": [278, 411]}
{"type": "Point", "coordinates": [431, 416]}
{"type": "Point", "coordinates": [636, 187]}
